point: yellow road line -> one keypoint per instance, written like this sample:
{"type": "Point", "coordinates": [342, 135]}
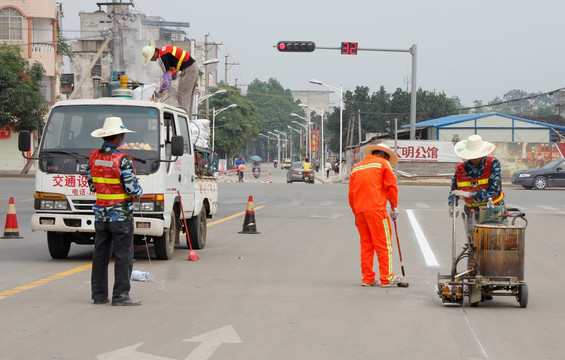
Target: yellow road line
{"type": "Point", "coordinates": [46, 280]}
{"type": "Point", "coordinates": [232, 216]}
{"type": "Point", "coordinates": [34, 284]}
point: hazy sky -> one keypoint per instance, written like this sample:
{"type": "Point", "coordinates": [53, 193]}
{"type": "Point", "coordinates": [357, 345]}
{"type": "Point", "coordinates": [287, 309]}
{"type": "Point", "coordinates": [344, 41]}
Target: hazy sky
{"type": "Point", "coordinates": [475, 50]}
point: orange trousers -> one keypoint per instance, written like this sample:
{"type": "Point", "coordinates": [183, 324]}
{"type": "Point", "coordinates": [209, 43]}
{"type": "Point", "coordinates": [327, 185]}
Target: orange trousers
{"type": "Point", "coordinates": [374, 229]}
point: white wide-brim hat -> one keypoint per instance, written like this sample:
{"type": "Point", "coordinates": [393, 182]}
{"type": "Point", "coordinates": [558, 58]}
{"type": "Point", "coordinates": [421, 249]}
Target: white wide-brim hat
{"type": "Point", "coordinates": [148, 51]}
{"type": "Point", "coordinates": [473, 148]}
{"type": "Point", "coordinates": [392, 157]}
{"type": "Point", "coordinates": [112, 126]}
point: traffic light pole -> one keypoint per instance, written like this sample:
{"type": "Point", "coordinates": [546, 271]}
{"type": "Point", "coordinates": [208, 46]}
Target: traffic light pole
{"type": "Point", "coordinates": [413, 52]}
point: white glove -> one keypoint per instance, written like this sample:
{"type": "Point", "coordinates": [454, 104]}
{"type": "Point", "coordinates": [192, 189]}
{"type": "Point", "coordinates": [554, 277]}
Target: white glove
{"type": "Point", "coordinates": [451, 212]}
{"type": "Point", "coordinates": [461, 193]}
{"type": "Point", "coordinates": [394, 213]}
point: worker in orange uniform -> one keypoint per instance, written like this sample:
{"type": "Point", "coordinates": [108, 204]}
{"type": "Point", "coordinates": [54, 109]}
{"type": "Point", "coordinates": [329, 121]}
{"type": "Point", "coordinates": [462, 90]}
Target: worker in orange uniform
{"type": "Point", "coordinates": [173, 60]}
{"type": "Point", "coordinates": [372, 184]}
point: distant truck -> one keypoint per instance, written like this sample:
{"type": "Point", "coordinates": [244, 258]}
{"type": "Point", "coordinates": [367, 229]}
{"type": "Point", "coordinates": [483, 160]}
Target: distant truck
{"type": "Point", "coordinates": [165, 161]}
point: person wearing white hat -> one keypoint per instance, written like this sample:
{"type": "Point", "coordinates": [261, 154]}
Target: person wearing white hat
{"type": "Point", "coordinates": [173, 60]}
{"type": "Point", "coordinates": [111, 175]}
{"type": "Point", "coordinates": [477, 179]}
{"type": "Point", "coordinates": [372, 184]}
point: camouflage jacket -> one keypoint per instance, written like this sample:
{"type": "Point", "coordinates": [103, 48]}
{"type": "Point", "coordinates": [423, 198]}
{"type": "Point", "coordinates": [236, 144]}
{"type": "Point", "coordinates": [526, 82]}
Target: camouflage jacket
{"type": "Point", "coordinates": [124, 210]}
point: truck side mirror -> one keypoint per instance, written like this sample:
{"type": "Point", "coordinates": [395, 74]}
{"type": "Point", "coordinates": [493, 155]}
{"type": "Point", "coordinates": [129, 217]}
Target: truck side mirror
{"type": "Point", "coordinates": [24, 141]}
{"type": "Point", "coordinates": [177, 145]}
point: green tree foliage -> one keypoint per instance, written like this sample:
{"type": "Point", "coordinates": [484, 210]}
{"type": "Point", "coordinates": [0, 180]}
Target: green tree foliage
{"type": "Point", "coordinates": [22, 106]}
{"type": "Point", "coordinates": [378, 111]}
{"type": "Point", "coordinates": [234, 128]}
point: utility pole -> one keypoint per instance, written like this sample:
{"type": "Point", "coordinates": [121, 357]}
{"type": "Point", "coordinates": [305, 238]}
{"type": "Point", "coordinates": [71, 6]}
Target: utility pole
{"type": "Point", "coordinates": [206, 80]}
{"type": "Point", "coordinates": [226, 69]}
{"type": "Point", "coordinates": [359, 124]}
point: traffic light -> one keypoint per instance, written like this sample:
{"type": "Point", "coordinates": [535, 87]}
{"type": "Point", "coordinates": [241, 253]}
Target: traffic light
{"type": "Point", "coordinates": [296, 46]}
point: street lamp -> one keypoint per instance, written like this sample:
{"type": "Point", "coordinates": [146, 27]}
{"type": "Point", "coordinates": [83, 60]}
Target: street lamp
{"type": "Point", "coordinates": [205, 64]}
{"type": "Point", "coordinates": [321, 113]}
{"type": "Point", "coordinates": [290, 134]}
{"type": "Point", "coordinates": [278, 144]}
{"type": "Point", "coordinates": [308, 147]}
{"type": "Point", "coordinates": [339, 92]}
{"type": "Point", "coordinates": [285, 141]}
{"type": "Point", "coordinates": [268, 139]}
{"type": "Point", "coordinates": [214, 113]}
{"type": "Point", "coordinates": [205, 97]}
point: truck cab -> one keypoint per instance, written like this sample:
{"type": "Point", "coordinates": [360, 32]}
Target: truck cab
{"type": "Point", "coordinates": [63, 200]}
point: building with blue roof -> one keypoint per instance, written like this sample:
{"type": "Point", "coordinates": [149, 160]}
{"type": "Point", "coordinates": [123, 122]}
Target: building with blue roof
{"type": "Point", "coordinates": [491, 126]}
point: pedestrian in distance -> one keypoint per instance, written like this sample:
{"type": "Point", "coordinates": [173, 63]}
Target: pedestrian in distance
{"type": "Point", "coordinates": [477, 179]}
{"type": "Point", "coordinates": [111, 175]}
{"type": "Point", "coordinates": [317, 164]}
{"type": "Point", "coordinates": [172, 60]}
{"type": "Point", "coordinates": [328, 167]}
{"type": "Point", "coordinates": [372, 184]}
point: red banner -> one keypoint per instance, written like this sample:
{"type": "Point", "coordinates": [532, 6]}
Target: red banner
{"type": "Point", "coordinates": [314, 140]}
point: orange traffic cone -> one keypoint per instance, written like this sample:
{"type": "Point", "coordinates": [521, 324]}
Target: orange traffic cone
{"type": "Point", "coordinates": [249, 226]}
{"type": "Point", "coordinates": [11, 230]}
{"type": "Point", "coordinates": [269, 178]}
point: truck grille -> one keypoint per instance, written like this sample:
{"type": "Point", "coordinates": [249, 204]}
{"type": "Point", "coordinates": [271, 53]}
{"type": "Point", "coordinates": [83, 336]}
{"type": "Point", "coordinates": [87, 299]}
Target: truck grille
{"type": "Point", "coordinates": [83, 205]}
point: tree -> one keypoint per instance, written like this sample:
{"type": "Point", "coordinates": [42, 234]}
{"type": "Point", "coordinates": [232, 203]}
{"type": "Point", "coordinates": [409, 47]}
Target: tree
{"type": "Point", "coordinates": [22, 106]}
{"type": "Point", "coordinates": [234, 128]}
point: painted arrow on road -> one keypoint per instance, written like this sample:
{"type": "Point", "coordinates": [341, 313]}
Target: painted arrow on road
{"type": "Point", "coordinates": [211, 340]}
{"type": "Point", "coordinates": [130, 353]}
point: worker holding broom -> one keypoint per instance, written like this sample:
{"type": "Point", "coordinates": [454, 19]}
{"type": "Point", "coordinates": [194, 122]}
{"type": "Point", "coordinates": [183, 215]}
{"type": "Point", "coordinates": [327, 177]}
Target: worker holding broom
{"type": "Point", "coordinates": [173, 60]}
{"type": "Point", "coordinates": [372, 184]}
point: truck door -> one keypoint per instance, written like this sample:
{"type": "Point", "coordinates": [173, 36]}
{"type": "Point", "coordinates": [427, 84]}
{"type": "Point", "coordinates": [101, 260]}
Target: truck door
{"type": "Point", "coordinates": [187, 167]}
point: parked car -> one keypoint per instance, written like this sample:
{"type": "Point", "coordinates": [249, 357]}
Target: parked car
{"type": "Point", "coordinates": [549, 175]}
{"type": "Point", "coordinates": [286, 164]}
{"type": "Point", "coordinates": [295, 173]}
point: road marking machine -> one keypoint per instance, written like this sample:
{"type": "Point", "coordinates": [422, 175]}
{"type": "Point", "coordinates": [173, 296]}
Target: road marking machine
{"type": "Point", "coordinates": [493, 257]}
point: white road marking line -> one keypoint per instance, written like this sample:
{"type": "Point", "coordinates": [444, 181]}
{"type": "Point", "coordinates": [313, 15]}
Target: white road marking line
{"type": "Point", "coordinates": [550, 208]}
{"type": "Point", "coordinates": [422, 241]}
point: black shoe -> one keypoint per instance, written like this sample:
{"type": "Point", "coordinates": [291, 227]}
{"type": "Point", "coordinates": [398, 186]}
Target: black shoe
{"type": "Point", "coordinates": [127, 302]}
{"type": "Point", "coordinates": [100, 302]}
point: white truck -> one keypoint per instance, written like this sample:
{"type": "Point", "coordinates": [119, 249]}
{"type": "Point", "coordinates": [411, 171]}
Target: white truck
{"type": "Point", "coordinates": [165, 166]}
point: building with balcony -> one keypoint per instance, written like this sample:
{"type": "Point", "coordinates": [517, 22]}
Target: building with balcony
{"type": "Point", "coordinates": [34, 26]}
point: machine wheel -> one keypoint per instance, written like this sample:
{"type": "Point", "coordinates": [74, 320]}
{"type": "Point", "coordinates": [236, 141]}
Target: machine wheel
{"type": "Point", "coordinates": [540, 182]}
{"type": "Point", "coordinates": [59, 244]}
{"type": "Point", "coordinates": [197, 229]}
{"type": "Point", "coordinates": [523, 295]}
{"type": "Point", "coordinates": [165, 245]}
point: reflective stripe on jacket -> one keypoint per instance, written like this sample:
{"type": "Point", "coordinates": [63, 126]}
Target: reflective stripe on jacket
{"type": "Point", "coordinates": [105, 172]}
{"type": "Point", "coordinates": [481, 183]}
{"type": "Point", "coordinates": [178, 53]}
{"type": "Point", "coordinates": [371, 184]}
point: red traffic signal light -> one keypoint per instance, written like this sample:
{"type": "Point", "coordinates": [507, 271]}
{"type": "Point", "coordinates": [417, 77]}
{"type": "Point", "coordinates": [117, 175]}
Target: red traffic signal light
{"type": "Point", "coordinates": [296, 46]}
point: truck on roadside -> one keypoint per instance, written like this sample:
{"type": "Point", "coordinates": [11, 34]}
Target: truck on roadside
{"type": "Point", "coordinates": [165, 161]}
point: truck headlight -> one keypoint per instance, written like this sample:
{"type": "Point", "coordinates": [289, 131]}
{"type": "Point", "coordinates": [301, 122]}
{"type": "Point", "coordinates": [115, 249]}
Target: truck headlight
{"type": "Point", "coordinates": [53, 205]}
{"type": "Point", "coordinates": [524, 175]}
{"type": "Point", "coordinates": [50, 201]}
{"type": "Point", "coordinates": [151, 202]}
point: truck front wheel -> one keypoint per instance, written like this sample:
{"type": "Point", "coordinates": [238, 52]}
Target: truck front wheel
{"type": "Point", "coordinates": [59, 244]}
{"type": "Point", "coordinates": [165, 245]}
{"type": "Point", "coordinates": [197, 227]}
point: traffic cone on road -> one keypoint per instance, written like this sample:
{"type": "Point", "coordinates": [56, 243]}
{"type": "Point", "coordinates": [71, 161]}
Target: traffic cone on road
{"type": "Point", "coordinates": [249, 226]}
{"type": "Point", "coordinates": [269, 178]}
{"type": "Point", "coordinates": [11, 229]}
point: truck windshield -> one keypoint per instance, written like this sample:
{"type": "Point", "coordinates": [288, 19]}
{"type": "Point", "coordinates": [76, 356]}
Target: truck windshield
{"type": "Point", "coordinates": [67, 142]}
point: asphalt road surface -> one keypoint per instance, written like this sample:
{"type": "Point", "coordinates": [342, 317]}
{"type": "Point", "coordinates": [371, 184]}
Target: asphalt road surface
{"type": "Point", "coordinates": [291, 292]}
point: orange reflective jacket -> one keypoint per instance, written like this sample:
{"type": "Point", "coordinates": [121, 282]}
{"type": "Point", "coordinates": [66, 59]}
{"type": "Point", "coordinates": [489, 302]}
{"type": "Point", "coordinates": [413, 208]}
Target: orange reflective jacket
{"type": "Point", "coordinates": [371, 184]}
{"type": "Point", "coordinates": [178, 53]}
{"type": "Point", "coordinates": [105, 171]}
{"type": "Point", "coordinates": [481, 183]}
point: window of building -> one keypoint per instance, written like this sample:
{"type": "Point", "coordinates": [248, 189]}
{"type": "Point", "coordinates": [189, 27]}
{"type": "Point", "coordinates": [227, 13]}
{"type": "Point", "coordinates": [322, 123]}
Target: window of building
{"type": "Point", "coordinates": [11, 21]}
